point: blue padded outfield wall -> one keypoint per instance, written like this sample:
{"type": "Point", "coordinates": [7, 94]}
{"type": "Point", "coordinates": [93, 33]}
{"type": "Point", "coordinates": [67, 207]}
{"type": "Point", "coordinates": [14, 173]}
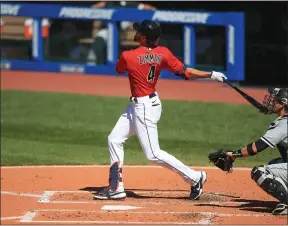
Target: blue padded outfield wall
{"type": "Point", "coordinates": [234, 23]}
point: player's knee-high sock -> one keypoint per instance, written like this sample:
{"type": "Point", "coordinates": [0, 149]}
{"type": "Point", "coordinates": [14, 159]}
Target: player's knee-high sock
{"type": "Point", "coordinates": [115, 177]}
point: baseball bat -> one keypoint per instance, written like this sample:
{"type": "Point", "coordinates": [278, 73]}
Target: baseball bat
{"type": "Point", "coordinates": [250, 99]}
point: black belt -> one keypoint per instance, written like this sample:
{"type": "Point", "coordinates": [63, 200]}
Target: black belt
{"type": "Point", "coordinates": [134, 99]}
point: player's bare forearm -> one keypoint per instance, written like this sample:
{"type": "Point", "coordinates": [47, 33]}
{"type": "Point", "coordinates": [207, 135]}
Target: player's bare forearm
{"type": "Point", "coordinates": [249, 150]}
{"type": "Point", "coordinates": [194, 73]}
{"type": "Point", "coordinates": [243, 153]}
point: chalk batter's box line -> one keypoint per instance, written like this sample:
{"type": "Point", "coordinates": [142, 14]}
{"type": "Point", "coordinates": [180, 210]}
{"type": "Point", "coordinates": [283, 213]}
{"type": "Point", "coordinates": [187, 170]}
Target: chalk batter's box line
{"type": "Point", "coordinates": [30, 215]}
{"type": "Point", "coordinates": [144, 192]}
{"type": "Point", "coordinates": [156, 212]}
{"type": "Point", "coordinates": [47, 195]}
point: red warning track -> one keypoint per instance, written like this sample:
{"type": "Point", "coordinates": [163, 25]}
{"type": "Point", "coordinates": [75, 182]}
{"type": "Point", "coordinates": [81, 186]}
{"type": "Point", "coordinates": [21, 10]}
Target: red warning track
{"type": "Point", "coordinates": [208, 91]}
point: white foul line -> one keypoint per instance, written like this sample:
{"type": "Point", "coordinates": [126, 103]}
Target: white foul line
{"type": "Point", "coordinates": [20, 194]}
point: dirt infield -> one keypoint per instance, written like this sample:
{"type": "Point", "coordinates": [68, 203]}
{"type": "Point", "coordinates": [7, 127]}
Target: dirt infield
{"type": "Point", "coordinates": [64, 194]}
{"type": "Point", "coordinates": [56, 195]}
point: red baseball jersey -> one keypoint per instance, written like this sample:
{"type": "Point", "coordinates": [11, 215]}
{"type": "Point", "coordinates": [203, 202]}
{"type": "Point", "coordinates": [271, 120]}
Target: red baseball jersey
{"type": "Point", "coordinates": [144, 65]}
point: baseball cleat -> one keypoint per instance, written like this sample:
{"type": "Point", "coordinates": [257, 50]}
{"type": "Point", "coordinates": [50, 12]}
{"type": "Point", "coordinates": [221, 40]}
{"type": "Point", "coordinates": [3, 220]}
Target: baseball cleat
{"type": "Point", "coordinates": [108, 194]}
{"type": "Point", "coordinates": [281, 209]}
{"type": "Point", "coordinates": [197, 190]}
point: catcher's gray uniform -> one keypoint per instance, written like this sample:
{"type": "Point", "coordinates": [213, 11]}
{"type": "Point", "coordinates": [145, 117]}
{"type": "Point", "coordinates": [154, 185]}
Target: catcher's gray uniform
{"type": "Point", "coordinates": [276, 136]}
{"type": "Point", "coordinates": [272, 178]}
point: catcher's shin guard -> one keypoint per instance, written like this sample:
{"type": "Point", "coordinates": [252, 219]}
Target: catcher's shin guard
{"type": "Point", "coordinates": [271, 184]}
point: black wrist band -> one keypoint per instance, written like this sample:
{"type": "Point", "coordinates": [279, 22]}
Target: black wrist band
{"type": "Point", "coordinates": [237, 153]}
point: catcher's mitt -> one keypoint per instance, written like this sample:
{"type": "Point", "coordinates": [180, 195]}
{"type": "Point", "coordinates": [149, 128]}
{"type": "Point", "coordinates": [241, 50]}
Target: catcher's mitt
{"type": "Point", "coordinates": [221, 160]}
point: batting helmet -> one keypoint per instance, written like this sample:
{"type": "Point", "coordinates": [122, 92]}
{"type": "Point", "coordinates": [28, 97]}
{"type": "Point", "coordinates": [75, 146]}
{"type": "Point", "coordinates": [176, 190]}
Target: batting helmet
{"type": "Point", "coordinates": [150, 29]}
{"type": "Point", "coordinates": [278, 95]}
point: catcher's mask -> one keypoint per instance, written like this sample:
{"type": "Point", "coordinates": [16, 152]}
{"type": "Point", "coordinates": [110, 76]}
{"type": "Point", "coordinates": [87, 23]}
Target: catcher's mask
{"type": "Point", "coordinates": [276, 95]}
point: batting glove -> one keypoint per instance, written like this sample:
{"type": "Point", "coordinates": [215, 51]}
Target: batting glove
{"type": "Point", "coordinates": [218, 76]}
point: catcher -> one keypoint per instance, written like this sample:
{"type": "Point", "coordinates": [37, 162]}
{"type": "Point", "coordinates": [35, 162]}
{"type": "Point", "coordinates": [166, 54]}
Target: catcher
{"type": "Point", "coordinates": [272, 178]}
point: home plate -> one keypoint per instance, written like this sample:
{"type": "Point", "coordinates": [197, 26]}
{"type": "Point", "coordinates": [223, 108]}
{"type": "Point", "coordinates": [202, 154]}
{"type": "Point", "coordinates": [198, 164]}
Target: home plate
{"type": "Point", "coordinates": [118, 207]}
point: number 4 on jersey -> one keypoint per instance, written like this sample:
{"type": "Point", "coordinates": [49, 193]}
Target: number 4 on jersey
{"type": "Point", "coordinates": [151, 73]}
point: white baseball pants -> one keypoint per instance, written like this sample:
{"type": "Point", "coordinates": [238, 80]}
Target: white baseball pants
{"type": "Point", "coordinates": [141, 118]}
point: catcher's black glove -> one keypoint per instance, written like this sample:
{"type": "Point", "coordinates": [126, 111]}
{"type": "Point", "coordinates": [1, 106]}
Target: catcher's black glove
{"type": "Point", "coordinates": [221, 160]}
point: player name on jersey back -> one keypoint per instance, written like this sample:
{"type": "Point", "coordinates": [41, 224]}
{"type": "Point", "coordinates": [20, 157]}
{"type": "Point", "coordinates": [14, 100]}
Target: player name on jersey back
{"type": "Point", "coordinates": [148, 58]}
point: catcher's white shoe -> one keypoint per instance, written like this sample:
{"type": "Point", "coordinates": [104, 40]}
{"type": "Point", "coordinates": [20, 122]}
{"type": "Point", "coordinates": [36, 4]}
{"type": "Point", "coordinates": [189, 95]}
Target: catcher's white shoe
{"type": "Point", "coordinates": [281, 209]}
{"type": "Point", "coordinates": [108, 194]}
{"type": "Point", "coordinates": [197, 190]}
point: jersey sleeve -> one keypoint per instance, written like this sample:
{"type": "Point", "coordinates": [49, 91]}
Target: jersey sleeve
{"type": "Point", "coordinates": [172, 63]}
{"type": "Point", "coordinates": [121, 64]}
{"type": "Point", "coordinates": [275, 133]}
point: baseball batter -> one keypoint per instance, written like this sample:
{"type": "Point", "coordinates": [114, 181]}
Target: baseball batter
{"type": "Point", "coordinates": [144, 65]}
{"type": "Point", "coordinates": [272, 178]}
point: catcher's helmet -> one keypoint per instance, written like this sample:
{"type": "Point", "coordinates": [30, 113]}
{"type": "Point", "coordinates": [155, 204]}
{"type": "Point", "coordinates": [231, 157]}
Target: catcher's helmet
{"type": "Point", "coordinates": [148, 28]}
{"type": "Point", "coordinates": [276, 95]}
{"type": "Point", "coordinates": [282, 96]}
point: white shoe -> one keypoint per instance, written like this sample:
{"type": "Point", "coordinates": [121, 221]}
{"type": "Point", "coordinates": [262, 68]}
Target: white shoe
{"type": "Point", "coordinates": [108, 194]}
{"type": "Point", "coordinates": [197, 190]}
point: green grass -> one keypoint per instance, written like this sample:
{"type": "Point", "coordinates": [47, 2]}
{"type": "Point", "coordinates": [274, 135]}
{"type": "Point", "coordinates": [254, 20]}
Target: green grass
{"type": "Point", "coordinates": [51, 128]}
